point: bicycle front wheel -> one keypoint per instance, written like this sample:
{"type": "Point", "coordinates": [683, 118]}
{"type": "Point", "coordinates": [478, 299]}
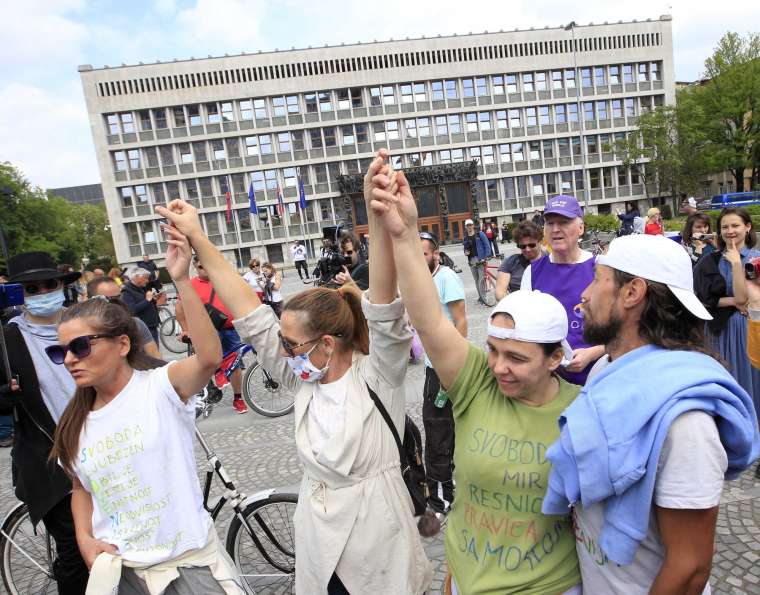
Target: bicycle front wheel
{"type": "Point", "coordinates": [261, 541]}
{"type": "Point", "coordinates": [27, 553]}
{"type": "Point", "coordinates": [487, 289]}
{"type": "Point", "coordinates": [265, 395]}
{"type": "Point", "coordinates": [169, 335]}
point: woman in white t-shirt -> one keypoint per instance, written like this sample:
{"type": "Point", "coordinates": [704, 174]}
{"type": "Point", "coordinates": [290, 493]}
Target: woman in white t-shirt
{"type": "Point", "coordinates": [127, 437]}
{"type": "Point", "coordinates": [254, 277]}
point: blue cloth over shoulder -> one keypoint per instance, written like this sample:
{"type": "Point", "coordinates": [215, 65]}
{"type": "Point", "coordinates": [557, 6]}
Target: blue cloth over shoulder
{"type": "Point", "coordinates": [612, 434]}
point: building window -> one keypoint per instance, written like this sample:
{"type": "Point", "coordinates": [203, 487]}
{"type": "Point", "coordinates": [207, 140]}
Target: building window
{"type": "Point", "coordinates": [185, 154]}
{"type": "Point", "coordinates": [570, 78]}
{"type": "Point", "coordinates": [475, 154]}
{"type": "Point", "coordinates": [451, 90]}
{"type": "Point", "coordinates": [283, 140]}
{"type": "Point", "coordinates": [265, 144]}
{"type": "Point", "coordinates": [614, 75]}
{"type": "Point", "coordinates": [560, 114]}
{"type": "Point", "coordinates": [585, 77]}
{"type": "Point", "coordinates": [194, 115]}
{"type": "Point", "coordinates": [505, 155]}
{"type": "Point", "coordinates": [444, 156]}
{"type": "Point", "coordinates": [600, 76]}
{"type": "Point", "coordinates": [423, 127]}
{"type": "Point", "coordinates": [572, 112]}
{"type": "Point", "coordinates": [172, 190]}
{"type": "Point", "coordinates": [167, 155]}
{"type": "Point", "coordinates": [472, 122]}
{"type": "Point", "coordinates": [484, 119]}
{"type": "Point", "coordinates": [498, 84]}
{"type": "Point", "coordinates": [233, 147]}
{"type": "Point", "coordinates": [127, 197]}
{"type": "Point", "coordinates": [514, 118]}
{"type": "Point", "coordinates": [113, 123]}
{"type": "Point", "coordinates": [134, 159]}
{"type": "Point", "coordinates": [543, 115]}
{"type": "Point", "coordinates": [455, 126]}
{"type": "Point", "coordinates": [540, 81]}
{"type": "Point", "coordinates": [329, 135]}
{"type": "Point", "coordinates": [630, 108]}
{"type": "Point", "coordinates": [538, 184]}
{"type": "Point", "coordinates": [392, 129]}
{"type": "Point", "coordinates": [622, 176]}
{"type": "Point", "coordinates": [643, 72]}
{"type": "Point", "coordinates": [481, 86]}
{"type": "Point", "coordinates": [278, 107]}
{"type": "Point", "coordinates": [511, 83]}
{"type": "Point", "coordinates": [527, 82]}
{"type": "Point", "coordinates": [530, 116]}
{"type": "Point", "coordinates": [468, 88]}
{"type": "Point", "coordinates": [260, 109]}
{"type": "Point", "coordinates": [441, 128]}
{"type": "Point", "coordinates": [566, 181]}
{"type": "Point", "coordinates": [588, 110]}
{"type": "Point", "coordinates": [547, 147]}
{"type": "Point", "coordinates": [487, 155]}
{"type": "Point", "coordinates": [501, 119]}
{"type": "Point", "coordinates": [270, 179]}
{"type": "Point", "coordinates": [361, 133]}
{"type": "Point", "coordinates": [296, 138]}
{"type": "Point", "coordinates": [534, 148]}
{"type": "Point", "coordinates": [654, 68]}
{"type": "Point", "coordinates": [293, 107]}
{"type": "Point", "coordinates": [347, 132]}
{"type": "Point", "coordinates": [556, 79]}
{"type": "Point", "coordinates": [437, 88]}
{"type": "Point", "coordinates": [212, 113]}
{"type": "Point", "coordinates": [141, 193]}
{"type": "Point", "coordinates": [379, 131]}
{"type": "Point", "coordinates": [389, 97]}
{"type": "Point", "coordinates": [411, 128]}
{"type": "Point", "coordinates": [315, 136]}
{"type": "Point", "coordinates": [593, 179]}
{"type": "Point", "coordinates": [601, 110]}
{"type": "Point", "coordinates": [627, 73]}
{"type": "Point", "coordinates": [563, 147]}
{"type": "Point", "coordinates": [289, 177]}
{"type": "Point", "coordinates": [151, 156]}
{"type": "Point", "coordinates": [145, 123]}
{"type": "Point", "coordinates": [199, 150]}
{"type": "Point", "coordinates": [592, 146]}
{"type": "Point", "coordinates": [251, 146]}
{"type": "Point", "coordinates": [246, 109]}
{"type": "Point", "coordinates": [228, 114]}
{"type": "Point", "coordinates": [127, 123]}
{"type": "Point", "coordinates": [517, 152]}
{"type": "Point", "coordinates": [375, 96]}
{"type": "Point", "coordinates": [179, 117]}
{"type": "Point", "coordinates": [406, 93]}
{"type": "Point", "coordinates": [420, 93]}
{"type": "Point", "coordinates": [617, 108]}
{"type": "Point", "coordinates": [325, 102]}
{"type": "Point", "coordinates": [311, 103]}
{"type": "Point", "coordinates": [157, 191]}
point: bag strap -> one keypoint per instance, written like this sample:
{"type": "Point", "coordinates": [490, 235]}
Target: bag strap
{"type": "Point", "coordinates": [389, 422]}
{"type": "Point", "coordinates": [210, 301]}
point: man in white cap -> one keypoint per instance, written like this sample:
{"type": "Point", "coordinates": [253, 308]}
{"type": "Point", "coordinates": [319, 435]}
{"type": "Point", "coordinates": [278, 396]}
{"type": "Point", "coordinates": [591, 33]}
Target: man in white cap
{"type": "Point", "coordinates": [645, 448]}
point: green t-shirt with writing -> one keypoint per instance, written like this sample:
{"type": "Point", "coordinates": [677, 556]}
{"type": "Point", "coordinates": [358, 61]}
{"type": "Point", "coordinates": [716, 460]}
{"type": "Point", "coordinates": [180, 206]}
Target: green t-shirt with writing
{"type": "Point", "coordinates": [497, 540]}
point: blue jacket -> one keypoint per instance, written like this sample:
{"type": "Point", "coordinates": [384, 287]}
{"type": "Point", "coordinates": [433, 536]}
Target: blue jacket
{"type": "Point", "coordinates": [482, 247]}
{"type": "Point", "coordinates": [611, 436]}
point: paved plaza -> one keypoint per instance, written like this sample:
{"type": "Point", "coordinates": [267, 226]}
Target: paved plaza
{"type": "Point", "coordinates": [260, 453]}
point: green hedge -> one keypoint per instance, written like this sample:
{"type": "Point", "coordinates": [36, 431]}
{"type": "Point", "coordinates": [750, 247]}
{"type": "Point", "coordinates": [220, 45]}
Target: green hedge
{"type": "Point", "coordinates": [602, 222]}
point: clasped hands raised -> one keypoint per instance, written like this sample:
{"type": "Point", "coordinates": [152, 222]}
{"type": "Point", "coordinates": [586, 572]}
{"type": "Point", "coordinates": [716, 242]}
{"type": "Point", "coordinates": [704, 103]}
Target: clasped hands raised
{"type": "Point", "coordinates": [389, 198]}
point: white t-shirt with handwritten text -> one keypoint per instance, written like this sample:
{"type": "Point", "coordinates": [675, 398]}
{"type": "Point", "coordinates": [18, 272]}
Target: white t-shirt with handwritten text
{"type": "Point", "coordinates": [136, 459]}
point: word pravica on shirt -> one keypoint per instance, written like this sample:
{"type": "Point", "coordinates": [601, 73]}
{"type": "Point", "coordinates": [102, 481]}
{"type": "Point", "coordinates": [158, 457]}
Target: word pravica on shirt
{"type": "Point", "coordinates": [112, 449]}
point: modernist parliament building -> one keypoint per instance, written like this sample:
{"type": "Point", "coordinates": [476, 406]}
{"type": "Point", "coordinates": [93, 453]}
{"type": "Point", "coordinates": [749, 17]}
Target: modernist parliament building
{"type": "Point", "coordinates": [487, 125]}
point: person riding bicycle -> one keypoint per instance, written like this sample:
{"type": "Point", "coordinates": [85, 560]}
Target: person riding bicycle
{"type": "Point", "coordinates": [126, 438]}
{"type": "Point", "coordinates": [43, 391]}
{"type": "Point", "coordinates": [565, 273]}
{"type": "Point", "coordinates": [354, 528]}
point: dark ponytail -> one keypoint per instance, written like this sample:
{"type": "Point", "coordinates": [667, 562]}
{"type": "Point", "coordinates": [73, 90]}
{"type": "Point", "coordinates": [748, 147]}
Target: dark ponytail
{"type": "Point", "coordinates": [106, 317]}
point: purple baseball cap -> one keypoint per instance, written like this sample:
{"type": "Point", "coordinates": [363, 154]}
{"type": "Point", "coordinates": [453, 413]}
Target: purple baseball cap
{"type": "Point", "coordinates": [564, 205]}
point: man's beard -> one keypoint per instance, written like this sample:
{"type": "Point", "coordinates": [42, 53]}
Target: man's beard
{"type": "Point", "coordinates": [602, 334]}
{"type": "Point", "coordinates": [431, 265]}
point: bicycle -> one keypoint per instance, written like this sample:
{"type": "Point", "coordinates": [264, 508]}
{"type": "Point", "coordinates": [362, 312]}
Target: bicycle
{"type": "Point", "coordinates": [486, 284]}
{"type": "Point", "coordinates": [597, 241]}
{"type": "Point", "coordinates": [166, 312]}
{"type": "Point", "coordinates": [259, 539]}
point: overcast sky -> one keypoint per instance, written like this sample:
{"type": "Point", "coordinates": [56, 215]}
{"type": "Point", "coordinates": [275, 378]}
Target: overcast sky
{"type": "Point", "coordinates": [43, 122]}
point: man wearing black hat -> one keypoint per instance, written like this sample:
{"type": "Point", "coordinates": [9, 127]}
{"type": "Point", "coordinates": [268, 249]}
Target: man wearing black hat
{"type": "Point", "coordinates": [42, 394]}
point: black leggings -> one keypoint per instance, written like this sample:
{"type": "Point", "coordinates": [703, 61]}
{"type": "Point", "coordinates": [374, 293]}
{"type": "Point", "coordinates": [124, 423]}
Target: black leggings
{"type": "Point", "coordinates": [69, 569]}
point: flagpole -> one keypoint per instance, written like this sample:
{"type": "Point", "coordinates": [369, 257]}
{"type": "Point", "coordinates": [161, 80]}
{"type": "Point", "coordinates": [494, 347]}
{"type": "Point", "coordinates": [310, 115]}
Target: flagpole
{"type": "Point", "coordinates": [303, 212]}
{"type": "Point", "coordinates": [253, 210]}
{"type": "Point", "coordinates": [232, 215]}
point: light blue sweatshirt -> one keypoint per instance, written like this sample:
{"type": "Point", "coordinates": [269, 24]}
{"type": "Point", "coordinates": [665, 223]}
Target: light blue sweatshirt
{"type": "Point", "coordinates": [611, 436]}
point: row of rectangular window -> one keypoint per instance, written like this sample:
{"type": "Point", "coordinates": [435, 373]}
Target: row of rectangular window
{"type": "Point", "coordinates": [344, 99]}
{"type": "Point", "coordinates": [376, 62]}
{"type": "Point", "coordinates": [352, 134]}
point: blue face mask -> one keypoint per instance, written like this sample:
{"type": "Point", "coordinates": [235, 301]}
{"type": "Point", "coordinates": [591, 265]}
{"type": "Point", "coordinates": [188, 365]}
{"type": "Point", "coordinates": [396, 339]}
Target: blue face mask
{"type": "Point", "coordinates": [45, 304]}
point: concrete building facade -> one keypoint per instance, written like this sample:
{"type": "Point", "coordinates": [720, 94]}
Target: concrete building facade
{"type": "Point", "coordinates": [537, 111]}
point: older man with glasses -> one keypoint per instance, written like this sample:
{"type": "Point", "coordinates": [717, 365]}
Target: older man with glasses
{"type": "Point", "coordinates": [37, 399]}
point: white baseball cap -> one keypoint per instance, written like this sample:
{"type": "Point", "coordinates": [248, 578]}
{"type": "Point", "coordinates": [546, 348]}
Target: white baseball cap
{"type": "Point", "coordinates": [539, 318]}
{"type": "Point", "coordinates": [692, 201]}
{"type": "Point", "coordinates": [657, 259]}
{"type": "Point", "coordinates": [468, 222]}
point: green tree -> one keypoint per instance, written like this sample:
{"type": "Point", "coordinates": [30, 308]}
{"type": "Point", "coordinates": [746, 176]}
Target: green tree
{"type": "Point", "coordinates": [728, 107]}
{"type": "Point", "coordinates": [33, 221]}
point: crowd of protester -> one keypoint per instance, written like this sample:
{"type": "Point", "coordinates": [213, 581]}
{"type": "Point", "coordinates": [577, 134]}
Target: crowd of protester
{"type": "Point", "coordinates": [585, 449]}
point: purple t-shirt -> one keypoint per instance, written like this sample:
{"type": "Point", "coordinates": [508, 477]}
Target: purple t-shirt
{"type": "Point", "coordinates": [566, 282]}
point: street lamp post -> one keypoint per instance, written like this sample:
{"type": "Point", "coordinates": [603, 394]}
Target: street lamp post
{"type": "Point", "coordinates": [581, 124]}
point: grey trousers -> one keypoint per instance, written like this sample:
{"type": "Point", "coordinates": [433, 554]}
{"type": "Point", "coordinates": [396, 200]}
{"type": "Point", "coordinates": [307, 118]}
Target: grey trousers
{"type": "Point", "coordinates": [191, 581]}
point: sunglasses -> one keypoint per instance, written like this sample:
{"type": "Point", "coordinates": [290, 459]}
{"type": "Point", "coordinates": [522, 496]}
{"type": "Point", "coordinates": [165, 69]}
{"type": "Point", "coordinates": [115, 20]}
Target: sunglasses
{"type": "Point", "coordinates": [430, 238]}
{"type": "Point", "coordinates": [34, 288]}
{"type": "Point", "coordinates": [524, 246]}
{"type": "Point", "coordinates": [81, 347]}
{"type": "Point", "coordinates": [290, 348]}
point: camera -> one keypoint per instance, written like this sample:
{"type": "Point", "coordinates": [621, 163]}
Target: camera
{"type": "Point", "coordinates": [752, 269]}
{"type": "Point", "coordinates": [11, 294]}
{"type": "Point", "coordinates": [703, 236]}
{"type": "Point", "coordinates": [331, 263]}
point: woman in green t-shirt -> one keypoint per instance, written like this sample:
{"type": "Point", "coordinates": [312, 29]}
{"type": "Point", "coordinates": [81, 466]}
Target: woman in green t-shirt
{"type": "Point", "coordinates": [506, 403]}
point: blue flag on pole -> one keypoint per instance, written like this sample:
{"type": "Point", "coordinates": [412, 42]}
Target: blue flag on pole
{"type": "Point", "coordinates": [301, 193]}
{"type": "Point", "coordinates": [252, 200]}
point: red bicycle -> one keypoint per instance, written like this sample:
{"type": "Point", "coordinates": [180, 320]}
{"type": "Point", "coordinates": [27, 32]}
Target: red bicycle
{"type": "Point", "coordinates": [486, 285]}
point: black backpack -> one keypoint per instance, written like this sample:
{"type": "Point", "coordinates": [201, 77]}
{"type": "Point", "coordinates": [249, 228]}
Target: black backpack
{"type": "Point", "coordinates": [410, 456]}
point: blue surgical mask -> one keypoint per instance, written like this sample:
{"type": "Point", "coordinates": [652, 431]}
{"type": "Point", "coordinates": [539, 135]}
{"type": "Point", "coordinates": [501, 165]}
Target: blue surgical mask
{"type": "Point", "coordinates": [45, 304]}
{"type": "Point", "coordinates": [303, 368]}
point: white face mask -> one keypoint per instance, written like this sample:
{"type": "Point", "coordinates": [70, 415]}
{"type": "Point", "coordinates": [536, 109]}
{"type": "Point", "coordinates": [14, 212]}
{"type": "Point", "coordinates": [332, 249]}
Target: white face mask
{"type": "Point", "coordinates": [45, 304]}
{"type": "Point", "coordinates": [304, 369]}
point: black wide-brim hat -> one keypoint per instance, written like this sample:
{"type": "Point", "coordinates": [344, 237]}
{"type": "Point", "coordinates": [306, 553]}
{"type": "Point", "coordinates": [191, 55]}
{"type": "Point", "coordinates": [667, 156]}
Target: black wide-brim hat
{"type": "Point", "coordinates": [36, 266]}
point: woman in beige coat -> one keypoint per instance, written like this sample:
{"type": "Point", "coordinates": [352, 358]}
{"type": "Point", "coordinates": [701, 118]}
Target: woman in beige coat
{"type": "Point", "coordinates": [354, 529]}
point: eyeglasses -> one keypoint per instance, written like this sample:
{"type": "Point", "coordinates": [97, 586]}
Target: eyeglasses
{"type": "Point", "coordinates": [290, 348]}
{"type": "Point", "coordinates": [81, 347]}
{"type": "Point", "coordinates": [34, 288]}
{"type": "Point", "coordinates": [524, 246]}
{"type": "Point", "coordinates": [430, 238]}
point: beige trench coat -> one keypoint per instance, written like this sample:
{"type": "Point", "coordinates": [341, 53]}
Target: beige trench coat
{"type": "Point", "coordinates": [354, 514]}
